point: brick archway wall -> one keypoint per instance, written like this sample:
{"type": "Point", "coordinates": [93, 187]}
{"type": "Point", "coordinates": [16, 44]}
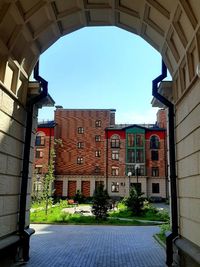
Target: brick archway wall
{"type": "Point", "coordinates": [28, 28]}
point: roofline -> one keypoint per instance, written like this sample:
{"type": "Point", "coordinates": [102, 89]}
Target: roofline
{"type": "Point", "coordinates": [86, 109]}
{"type": "Point", "coordinates": [135, 125]}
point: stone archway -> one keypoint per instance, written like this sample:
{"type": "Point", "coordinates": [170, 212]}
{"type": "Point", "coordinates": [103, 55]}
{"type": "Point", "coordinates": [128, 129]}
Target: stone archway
{"type": "Point", "coordinates": [28, 28]}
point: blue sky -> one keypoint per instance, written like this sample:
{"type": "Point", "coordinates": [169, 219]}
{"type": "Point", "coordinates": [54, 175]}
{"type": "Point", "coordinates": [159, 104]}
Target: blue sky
{"type": "Point", "coordinates": [102, 67]}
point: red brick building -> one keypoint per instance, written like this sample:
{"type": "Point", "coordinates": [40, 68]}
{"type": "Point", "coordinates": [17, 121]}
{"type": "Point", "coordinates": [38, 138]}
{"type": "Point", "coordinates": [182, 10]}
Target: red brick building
{"type": "Point", "coordinates": [81, 162]}
{"type": "Point", "coordinates": [96, 150]}
{"type": "Point", "coordinates": [137, 157]}
{"type": "Point", "coordinates": [44, 142]}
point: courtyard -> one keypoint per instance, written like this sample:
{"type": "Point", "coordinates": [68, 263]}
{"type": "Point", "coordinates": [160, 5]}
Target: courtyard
{"type": "Point", "coordinates": [95, 246]}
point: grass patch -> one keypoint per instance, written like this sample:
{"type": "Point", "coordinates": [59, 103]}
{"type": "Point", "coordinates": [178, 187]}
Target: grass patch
{"type": "Point", "coordinates": [149, 213]}
{"type": "Point", "coordinates": [162, 234]}
{"type": "Point", "coordinates": [161, 237]}
{"type": "Point", "coordinates": [56, 215]}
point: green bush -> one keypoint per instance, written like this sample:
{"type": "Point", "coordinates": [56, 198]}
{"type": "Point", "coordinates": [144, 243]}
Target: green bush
{"type": "Point", "coordinates": [135, 201]}
{"type": "Point", "coordinates": [79, 198]}
{"type": "Point", "coordinates": [164, 228]}
{"type": "Point", "coordinates": [62, 204]}
{"type": "Point", "coordinates": [100, 203]}
{"type": "Point", "coordinates": [163, 215]}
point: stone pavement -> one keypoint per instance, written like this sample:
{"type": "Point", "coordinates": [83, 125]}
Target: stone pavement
{"type": "Point", "coordinates": [95, 246]}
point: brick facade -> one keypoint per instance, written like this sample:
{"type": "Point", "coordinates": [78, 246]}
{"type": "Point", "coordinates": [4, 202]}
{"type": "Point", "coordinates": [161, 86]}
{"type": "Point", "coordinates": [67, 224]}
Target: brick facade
{"type": "Point", "coordinates": [58, 185]}
{"type": "Point", "coordinates": [161, 118]}
{"type": "Point", "coordinates": [96, 151]}
{"type": "Point", "coordinates": [72, 188]}
{"type": "Point", "coordinates": [44, 142]}
{"type": "Point", "coordinates": [85, 186]}
{"type": "Point", "coordinates": [82, 153]}
{"type": "Point", "coordinates": [45, 132]}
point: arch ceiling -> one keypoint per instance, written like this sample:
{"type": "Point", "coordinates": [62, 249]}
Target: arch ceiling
{"type": "Point", "coordinates": [28, 28]}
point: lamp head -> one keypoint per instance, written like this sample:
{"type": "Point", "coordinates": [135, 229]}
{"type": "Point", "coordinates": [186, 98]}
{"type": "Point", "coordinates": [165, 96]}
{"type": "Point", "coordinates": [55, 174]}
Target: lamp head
{"type": "Point", "coordinates": [129, 174]}
{"type": "Point", "coordinates": [137, 166]}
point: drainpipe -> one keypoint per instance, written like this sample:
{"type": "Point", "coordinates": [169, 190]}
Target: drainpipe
{"type": "Point", "coordinates": [26, 232]}
{"type": "Point", "coordinates": [49, 147]}
{"type": "Point", "coordinates": [172, 166]}
{"type": "Point", "coordinates": [166, 167]}
{"type": "Point", "coordinates": [107, 160]}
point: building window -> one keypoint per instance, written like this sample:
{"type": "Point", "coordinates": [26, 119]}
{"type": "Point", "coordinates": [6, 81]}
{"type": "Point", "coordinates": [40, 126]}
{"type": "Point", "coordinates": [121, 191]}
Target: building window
{"type": "Point", "coordinates": [80, 160]}
{"type": "Point", "coordinates": [115, 142]}
{"type": "Point", "coordinates": [98, 184]}
{"type": "Point", "coordinates": [154, 142]}
{"type": "Point", "coordinates": [138, 186]}
{"type": "Point", "coordinates": [37, 186]}
{"type": "Point", "coordinates": [115, 171]}
{"type": "Point", "coordinates": [154, 155]}
{"type": "Point", "coordinates": [131, 168]}
{"type": "Point", "coordinates": [38, 154]}
{"type": "Point", "coordinates": [80, 130]}
{"type": "Point", "coordinates": [155, 188]}
{"type": "Point", "coordinates": [97, 138]}
{"type": "Point", "coordinates": [40, 140]}
{"type": "Point", "coordinates": [131, 156]}
{"type": "Point", "coordinates": [115, 155]}
{"type": "Point", "coordinates": [98, 123]}
{"type": "Point", "coordinates": [97, 153]}
{"type": "Point", "coordinates": [38, 169]}
{"type": "Point", "coordinates": [139, 156]}
{"type": "Point", "coordinates": [130, 140]}
{"type": "Point", "coordinates": [155, 171]}
{"type": "Point", "coordinates": [139, 140]}
{"type": "Point", "coordinates": [115, 187]}
{"type": "Point", "coordinates": [141, 170]}
{"type": "Point", "coordinates": [80, 144]}
{"type": "Point", "coordinates": [97, 169]}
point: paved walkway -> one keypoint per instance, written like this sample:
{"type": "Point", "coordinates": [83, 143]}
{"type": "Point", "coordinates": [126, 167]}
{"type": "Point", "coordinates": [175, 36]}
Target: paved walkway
{"type": "Point", "coordinates": [95, 246]}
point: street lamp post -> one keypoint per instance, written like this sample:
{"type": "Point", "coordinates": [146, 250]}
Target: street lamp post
{"type": "Point", "coordinates": [137, 167]}
{"type": "Point", "coordinates": [129, 176]}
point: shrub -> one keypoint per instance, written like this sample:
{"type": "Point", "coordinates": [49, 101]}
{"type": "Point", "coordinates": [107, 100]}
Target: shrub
{"type": "Point", "coordinates": [79, 198]}
{"type": "Point", "coordinates": [63, 204]}
{"type": "Point", "coordinates": [64, 216]}
{"type": "Point", "coordinates": [148, 209]}
{"type": "Point", "coordinates": [135, 201]}
{"type": "Point", "coordinates": [163, 215]}
{"type": "Point", "coordinates": [100, 203]}
{"type": "Point", "coordinates": [164, 228]}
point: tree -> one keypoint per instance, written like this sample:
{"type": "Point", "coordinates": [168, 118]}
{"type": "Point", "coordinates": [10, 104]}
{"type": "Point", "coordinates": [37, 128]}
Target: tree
{"type": "Point", "coordinates": [49, 177]}
{"type": "Point", "coordinates": [78, 197]}
{"type": "Point", "coordinates": [135, 201]}
{"type": "Point", "coordinates": [100, 203]}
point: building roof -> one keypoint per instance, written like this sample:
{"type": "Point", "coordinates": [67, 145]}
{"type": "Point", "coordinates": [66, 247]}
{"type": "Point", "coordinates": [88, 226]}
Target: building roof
{"type": "Point", "coordinates": [151, 127]}
{"type": "Point", "coordinates": [46, 124]}
{"type": "Point", "coordinates": [82, 109]}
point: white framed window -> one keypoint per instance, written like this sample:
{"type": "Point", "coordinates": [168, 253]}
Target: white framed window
{"type": "Point", "coordinates": [98, 153]}
{"type": "Point", "coordinates": [115, 141]}
{"type": "Point", "coordinates": [98, 123]}
{"type": "Point", "coordinates": [115, 171]}
{"type": "Point", "coordinates": [80, 145]}
{"type": "Point", "coordinates": [115, 155]}
{"type": "Point", "coordinates": [97, 138]}
{"type": "Point", "coordinates": [115, 187]}
{"type": "Point", "coordinates": [38, 154]}
{"type": "Point", "coordinates": [80, 130]}
{"type": "Point", "coordinates": [79, 160]}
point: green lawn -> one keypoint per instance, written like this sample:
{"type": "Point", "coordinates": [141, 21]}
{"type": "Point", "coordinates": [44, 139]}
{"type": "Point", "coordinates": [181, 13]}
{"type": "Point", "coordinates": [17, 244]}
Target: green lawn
{"type": "Point", "coordinates": [56, 215]}
{"type": "Point", "coordinates": [149, 213]}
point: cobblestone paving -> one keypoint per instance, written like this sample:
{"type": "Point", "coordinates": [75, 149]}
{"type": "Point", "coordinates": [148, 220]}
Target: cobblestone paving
{"type": "Point", "coordinates": [95, 246]}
